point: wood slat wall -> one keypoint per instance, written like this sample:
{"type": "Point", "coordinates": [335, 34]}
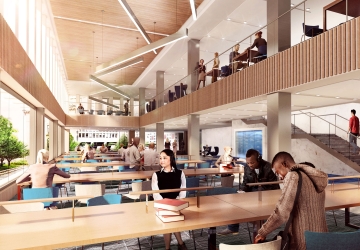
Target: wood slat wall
{"type": "Point", "coordinates": [108, 121]}
{"type": "Point", "coordinates": [15, 61]}
{"type": "Point", "coordinates": [334, 52]}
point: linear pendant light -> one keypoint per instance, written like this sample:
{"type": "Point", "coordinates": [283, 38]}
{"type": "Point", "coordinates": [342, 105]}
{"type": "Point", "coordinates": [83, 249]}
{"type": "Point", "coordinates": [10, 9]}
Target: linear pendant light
{"type": "Point", "coordinates": [143, 50]}
{"type": "Point", "coordinates": [193, 9]}
{"type": "Point", "coordinates": [103, 102]}
{"type": "Point", "coordinates": [136, 21]}
{"type": "Point", "coordinates": [105, 84]}
{"type": "Point", "coordinates": [121, 66]}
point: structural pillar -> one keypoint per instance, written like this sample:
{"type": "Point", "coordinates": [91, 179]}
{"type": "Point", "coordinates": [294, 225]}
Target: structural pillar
{"type": "Point", "coordinates": [278, 123]}
{"type": "Point", "coordinates": [60, 141]}
{"type": "Point", "coordinates": [193, 62]}
{"type": "Point", "coordinates": [32, 146]}
{"type": "Point", "coordinates": [131, 108]}
{"type": "Point", "coordinates": [121, 103]}
{"type": "Point", "coordinates": [194, 136]}
{"type": "Point", "coordinates": [142, 135]}
{"type": "Point", "coordinates": [53, 139]}
{"type": "Point", "coordinates": [160, 89]}
{"type": "Point", "coordinates": [278, 32]}
{"type": "Point", "coordinates": [98, 105]}
{"type": "Point", "coordinates": [159, 136]}
{"type": "Point", "coordinates": [89, 104]}
{"type": "Point", "coordinates": [142, 101]}
{"type": "Point", "coordinates": [40, 132]}
{"type": "Point", "coordinates": [65, 134]}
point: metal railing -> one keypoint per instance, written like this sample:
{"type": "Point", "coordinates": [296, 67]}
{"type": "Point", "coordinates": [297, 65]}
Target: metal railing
{"type": "Point", "coordinates": [328, 132]}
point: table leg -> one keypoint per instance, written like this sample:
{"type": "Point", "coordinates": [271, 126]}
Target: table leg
{"type": "Point", "coordinates": [347, 219]}
{"type": "Point", "coordinates": [19, 192]}
{"type": "Point", "coordinates": [212, 238]}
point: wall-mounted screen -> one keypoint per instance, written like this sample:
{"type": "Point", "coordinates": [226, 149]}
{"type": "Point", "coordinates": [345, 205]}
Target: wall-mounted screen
{"type": "Point", "coordinates": [248, 139]}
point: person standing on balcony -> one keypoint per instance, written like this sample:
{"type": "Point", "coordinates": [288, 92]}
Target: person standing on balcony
{"type": "Point", "coordinates": [215, 69]}
{"type": "Point", "coordinates": [353, 130]}
{"type": "Point", "coordinates": [126, 107]}
{"type": "Point", "coordinates": [202, 73]}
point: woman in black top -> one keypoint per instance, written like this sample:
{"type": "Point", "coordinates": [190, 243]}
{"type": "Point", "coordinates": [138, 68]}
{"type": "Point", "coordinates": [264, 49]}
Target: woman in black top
{"type": "Point", "coordinates": [169, 177]}
{"type": "Point", "coordinates": [202, 73]}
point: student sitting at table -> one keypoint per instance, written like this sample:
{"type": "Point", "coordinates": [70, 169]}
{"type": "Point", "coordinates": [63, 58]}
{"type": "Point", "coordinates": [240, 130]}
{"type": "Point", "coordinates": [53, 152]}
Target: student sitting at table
{"type": "Point", "coordinates": [88, 153]}
{"type": "Point", "coordinates": [41, 174]}
{"type": "Point", "coordinates": [261, 44]}
{"type": "Point", "coordinates": [169, 177]}
{"type": "Point", "coordinates": [255, 170]}
{"type": "Point", "coordinates": [103, 149]}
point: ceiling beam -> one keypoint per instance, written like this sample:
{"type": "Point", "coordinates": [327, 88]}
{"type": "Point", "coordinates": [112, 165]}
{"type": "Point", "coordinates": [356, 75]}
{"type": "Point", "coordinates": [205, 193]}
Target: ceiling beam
{"type": "Point", "coordinates": [121, 66]}
{"type": "Point", "coordinates": [143, 50]}
{"type": "Point", "coordinates": [193, 9]}
{"type": "Point", "coordinates": [103, 102]}
{"type": "Point", "coordinates": [105, 84]}
{"type": "Point", "coordinates": [136, 21]}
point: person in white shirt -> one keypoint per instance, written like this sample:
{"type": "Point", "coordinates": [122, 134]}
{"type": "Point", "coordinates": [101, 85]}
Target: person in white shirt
{"type": "Point", "coordinates": [151, 157]}
{"type": "Point", "coordinates": [169, 177]}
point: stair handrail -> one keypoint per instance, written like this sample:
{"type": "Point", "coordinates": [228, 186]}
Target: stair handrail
{"type": "Point", "coordinates": [335, 115]}
{"type": "Point", "coordinates": [313, 115]}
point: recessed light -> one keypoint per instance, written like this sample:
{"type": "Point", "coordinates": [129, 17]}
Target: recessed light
{"type": "Point", "coordinates": [297, 93]}
{"type": "Point", "coordinates": [223, 38]}
{"type": "Point", "coordinates": [256, 102]}
{"type": "Point", "coordinates": [307, 9]}
{"type": "Point", "coordinates": [260, 25]}
{"type": "Point", "coordinates": [337, 97]}
{"type": "Point", "coordinates": [208, 35]}
{"type": "Point", "coordinates": [229, 19]}
{"type": "Point", "coordinates": [292, 5]}
{"type": "Point", "coordinates": [245, 22]}
{"type": "Point", "coordinates": [318, 95]}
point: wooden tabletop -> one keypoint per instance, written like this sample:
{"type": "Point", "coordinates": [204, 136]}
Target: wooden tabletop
{"type": "Point", "coordinates": [189, 161]}
{"type": "Point", "coordinates": [94, 164]}
{"type": "Point", "coordinates": [96, 158]}
{"type": "Point", "coordinates": [54, 228]}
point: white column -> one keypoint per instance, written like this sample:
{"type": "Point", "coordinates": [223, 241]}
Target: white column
{"type": "Point", "coordinates": [142, 135]}
{"type": "Point", "coordinates": [194, 136]}
{"type": "Point", "coordinates": [160, 89]}
{"type": "Point", "coordinates": [89, 104]}
{"type": "Point", "coordinates": [278, 123]}
{"type": "Point", "coordinates": [142, 101]}
{"type": "Point", "coordinates": [65, 135]}
{"type": "Point", "coordinates": [60, 141]}
{"type": "Point", "coordinates": [39, 129]}
{"type": "Point", "coordinates": [121, 103]}
{"type": "Point", "coordinates": [53, 140]}
{"type": "Point", "coordinates": [159, 136]}
{"type": "Point", "coordinates": [131, 109]}
{"type": "Point", "coordinates": [32, 146]}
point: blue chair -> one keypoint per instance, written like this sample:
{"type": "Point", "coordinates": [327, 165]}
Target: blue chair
{"type": "Point", "coordinates": [107, 199]}
{"type": "Point", "coordinates": [221, 190]}
{"type": "Point", "coordinates": [180, 166]}
{"type": "Point", "coordinates": [122, 168]}
{"type": "Point", "coordinates": [41, 193]}
{"type": "Point", "coordinates": [332, 241]}
{"type": "Point", "coordinates": [91, 160]}
{"type": "Point", "coordinates": [128, 182]}
{"type": "Point", "coordinates": [192, 182]}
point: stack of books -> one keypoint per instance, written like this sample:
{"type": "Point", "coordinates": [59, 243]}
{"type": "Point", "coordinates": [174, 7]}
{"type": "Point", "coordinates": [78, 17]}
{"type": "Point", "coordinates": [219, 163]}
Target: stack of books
{"type": "Point", "coordinates": [168, 210]}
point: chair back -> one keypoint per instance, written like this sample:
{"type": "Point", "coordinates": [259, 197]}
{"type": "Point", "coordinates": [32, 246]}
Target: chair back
{"type": "Point", "coordinates": [183, 88]}
{"type": "Point", "coordinates": [107, 199]}
{"type": "Point", "coordinates": [177, 92]}
{"type": "Point", "coordinates": [192, 182]}
{"type": "Point", "coordinates": [88, 169]}
{"type": "Point", "coordinates": [262, 49]}
{"type": "Point", "coordinates": [227, 181]}
{"type": "Point", "coordinates": [332, 241]}
{"type": "Point", "coordinates": [180, 166]}
{"type": "Point", "coordinates": [203, 165]}
{"type": "Point", "coordinates": [39, 193]}
{"type": "Point", "coordinates": [147, 107]}
{"type": "Point", "coordinates": [171, 96]}
{"type": "Point", "coordinates": [91, 111]}
{"type": "Point", "coordinates": [136, 186]}
{"type": "Point", "coordinates": [21, 208]}
{"type": "Point", "coordinates": [221, 190]}
{"type": "Point", "coordinates": [271, 245]}
{"type": "Point", "coordinates": [153, 105]}
{"type": "Point", "coordinates": [146, 186]}
{"type": "Point", "coordinates": [89, 189]}
{"type": "Point", "coordinates": [91, 160]}
{"type": "Point", "coordinates": [122, 168]}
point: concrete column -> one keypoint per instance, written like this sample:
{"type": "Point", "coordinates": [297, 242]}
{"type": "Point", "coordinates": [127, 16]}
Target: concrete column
{"type": "Point", "coordinates": [53, 139]}
{"type": "Point", "coordinates": [278, 32]}
{"type": "Point", "coordinates": [40, 137]}
{"type": "Point", "coordinates": [193, 136]}
{"type": "Point", "coordinates": [193, 62]}
{"type": "Point", "coordinates": [131, 135]}
{"type": "Point", "coordinates": [32, 146]}
{"type": "Point", "coordinates": [160, 89]}
{"type": "Point", "coordinates": [66, 139]}
{"type": "Point", "coordinates": [142, 101]}
{"type": "Point", "coordinates": [98, 105]}
{"type": "Point", "coordinates": [110, 100]}
{"type": "Point", "coordinates": [60, 141]}
{"type": "Point", "coordinates": [159, 137]}
{"type": "Point", "coordinates": [142, 135]}
{"type": "Point", "coordinates": [121, 103]}
{"type": "Point", "coordinates": [278, 123]}
{"type": "Point", "coordinates": [89, 104]}
{"type": "Point", "coordinates": [131, 108]}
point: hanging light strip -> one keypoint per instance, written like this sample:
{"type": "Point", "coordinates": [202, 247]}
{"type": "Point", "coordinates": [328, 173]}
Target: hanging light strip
{"type": "Point", "coordinates": [103, 102]}
{"type": "Point", "coordinates": [193, 9]}
{"type": "Point", "coordinates": [136, 21]}
{"type": "Point", "coordinates": [141, 51]}
{"type": "Point", "coordinates": [105, 84]}
{"type": "Point", "coordinates": [121, 66]}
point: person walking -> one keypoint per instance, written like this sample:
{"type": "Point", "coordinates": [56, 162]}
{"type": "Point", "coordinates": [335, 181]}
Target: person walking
{"type": "Point", "coordinates": [353, 130]}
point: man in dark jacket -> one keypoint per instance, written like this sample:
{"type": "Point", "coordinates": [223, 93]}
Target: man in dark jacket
{"type": "Point", "coordinates": [255, 170]}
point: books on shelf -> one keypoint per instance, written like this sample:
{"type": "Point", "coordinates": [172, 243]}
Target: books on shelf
{"type": "Point", "coordinates": [171, 218]}
{"type": "Point", "coordinates": [160, 211]}
{"type": "Point", "coordinates": [171, 204]}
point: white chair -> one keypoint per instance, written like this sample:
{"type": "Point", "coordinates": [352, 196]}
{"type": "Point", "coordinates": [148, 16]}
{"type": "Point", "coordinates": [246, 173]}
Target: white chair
{"type": "Point", "coordinates": [89, 169]}
{"type": "Point", "coordinates": [21, 208]}
{"type": "Point", "coordinates": [135, 187]}
{"type": "Point", "coordinates": [271, 245]}
{"type": "Point", "coordinates": [89, 189]}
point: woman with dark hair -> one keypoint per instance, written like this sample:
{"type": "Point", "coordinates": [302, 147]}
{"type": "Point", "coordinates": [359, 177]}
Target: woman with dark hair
{"type": "Point", "coordinates": [169, 177]}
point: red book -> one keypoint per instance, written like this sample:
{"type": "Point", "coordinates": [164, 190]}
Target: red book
{"type": "Point", "coordinates": [171, 218]}
{"type": "Point", "coordinates": [160, 211]}
{"type": "Point", "coordinates": [171, 204]}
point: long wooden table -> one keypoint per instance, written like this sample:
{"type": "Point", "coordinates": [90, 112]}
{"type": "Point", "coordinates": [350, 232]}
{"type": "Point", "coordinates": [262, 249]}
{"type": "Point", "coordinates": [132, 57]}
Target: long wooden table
{"type": "Point", "coordinates": [101, 224]}
{"type": "Point", "coordinates": [96, 158]}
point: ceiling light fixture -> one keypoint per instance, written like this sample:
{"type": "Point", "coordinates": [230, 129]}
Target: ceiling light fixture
{"type": "Point", "coordinates": [103, 102]}
{"type": "Point", "coordinates": [337, 97]}
{"type": "Point", "coordinates": [136, 22]}
{"type": "Point", "coordinates": [193, 9]}
{"type": "Point", "coordinates": [121, 66]}
{"type": "Point", "coordinates": [245, 22]}
{"type": "Point", "coordinates": [105, 84]}
{"type": "Point", "coordinates": [141, 51]}
{"type": "Point", "coordinates": [229, 19]}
